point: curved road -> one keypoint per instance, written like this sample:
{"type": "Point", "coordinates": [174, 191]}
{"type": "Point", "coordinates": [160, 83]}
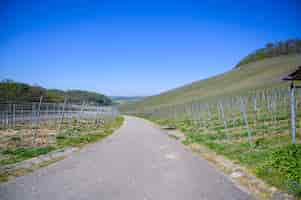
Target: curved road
{"type": "Point", "coordinates": [138, 162]}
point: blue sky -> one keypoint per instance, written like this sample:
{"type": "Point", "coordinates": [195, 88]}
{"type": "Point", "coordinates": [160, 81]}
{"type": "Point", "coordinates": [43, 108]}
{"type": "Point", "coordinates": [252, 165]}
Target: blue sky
{"type": "Point", "coordinates": [134, 47]}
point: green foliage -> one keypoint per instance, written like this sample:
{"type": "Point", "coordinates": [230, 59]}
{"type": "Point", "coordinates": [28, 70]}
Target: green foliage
{"type": "Point", "coordinates": [65, 140]}
{"type": "Point", "coordinates": [20, 154]}
{"type": "Point", "coordinates": [78, 96]}
{"type": "Point", "coordinates": [11, 91]}
{"type": "Point", "coordinates": [285, 165]}
{"type": "Point", "coordinates": [273, 50]}
{"type": "Point", "coordinates": [117, 122]}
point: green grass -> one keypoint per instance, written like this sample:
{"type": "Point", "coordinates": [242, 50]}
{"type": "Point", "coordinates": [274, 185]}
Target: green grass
{"type": "Point", "coordinates": [6, 176]}
{"type": "Point", "coordinates": [20, 154]}
{"type": "Point", "coordinates": [65, 141]}
{"type": "Point", "coordinates": [282, 168]}
{"type": "Point", "coordinates": [270, 157]}
{"type": "Point", "coordinates": [263, 157]}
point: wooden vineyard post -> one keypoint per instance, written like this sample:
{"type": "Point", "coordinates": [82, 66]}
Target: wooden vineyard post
{"type": "Point", "coordinates": [22, 114]}
{"type": "Point", "coordinates": [14, 115]}
{"type": "Point", "coordinates": [245, 117]}
{"type": "Point", "coordinates": [39, 111]}
{"type": "Point", "coordinates": [209, 112]}
{"type": "Point", "coordinates": [62, 114]}
{"type": "Point", "coordinates": [6, 117]}
{"type": "Point", "coordinates": [32, 122]}
{"type": "Point", "coordinates": [47, 114]}
{"type": "Point", "coordinates": [53, 114]}
{"type": "Point", "coordinates": [96, 116]}
{"type": "Point", "coordinates": [80, 114]}
{"type": "Point", "coordinates": [37, 119]}
{"type": "Point", "coordinates": [223, 118]}
{"type": "Point", "coordinates": [255, 109]}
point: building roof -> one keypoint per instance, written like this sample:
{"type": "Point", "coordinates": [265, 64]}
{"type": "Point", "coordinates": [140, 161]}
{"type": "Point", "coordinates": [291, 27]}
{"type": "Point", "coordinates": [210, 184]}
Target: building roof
{"type": "Point", "coordinates": [296, 75]}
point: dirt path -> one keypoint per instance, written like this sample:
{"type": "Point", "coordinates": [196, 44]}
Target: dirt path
{"type": "Point", "coordinates": [137, 162]}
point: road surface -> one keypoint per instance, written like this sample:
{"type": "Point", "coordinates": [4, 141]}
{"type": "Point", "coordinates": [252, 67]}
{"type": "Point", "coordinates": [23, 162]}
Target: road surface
{"type": "Point", "coordinates": [138, 162]}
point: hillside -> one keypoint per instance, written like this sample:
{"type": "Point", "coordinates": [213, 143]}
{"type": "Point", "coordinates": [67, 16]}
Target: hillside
{"type": "Point", "coordinates": [11, 91]}
{"type": "Point", "coordinates": [260, 74]}
{"type": "Point", "coordinates": [125, 99]}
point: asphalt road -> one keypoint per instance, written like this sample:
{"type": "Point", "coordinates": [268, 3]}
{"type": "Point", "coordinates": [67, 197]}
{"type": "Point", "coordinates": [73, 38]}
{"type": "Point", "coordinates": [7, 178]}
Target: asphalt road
{"type": "Point", "coordinates": [138, 162]}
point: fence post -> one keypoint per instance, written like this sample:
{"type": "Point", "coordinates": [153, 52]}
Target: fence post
{"type": "Point", "coordinates": [79, 115]}
{"type": "Point", "coordinates": [293, 112]}
{"type": "Point", "coordinates": [255, 108]}
{"type": "Point", "coordinates": [14, 115]}
{"type": "Point", "coordinates": [62, 114]}
{"type": "Point", "coordinates": [6, 117]}
{"type": "Point", "coordinates": [224, 119]}
{"type": "Point", "coordinates": [209, 112]}
{"type": "Point", "coordinates": [39, 110]}
{"type": "Point", "coordinates": [32, 123]}
{"type": "Point", "coordinates": [244, 114]}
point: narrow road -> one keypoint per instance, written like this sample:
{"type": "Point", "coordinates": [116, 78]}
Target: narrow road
{"type": "Point", "coordinates": [138, 162]}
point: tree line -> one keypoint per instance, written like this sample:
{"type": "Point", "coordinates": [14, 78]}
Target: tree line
{"type": "Point", "coordinates": [13, 92]}
{"type": "Point", "coordinates": [291, 46]}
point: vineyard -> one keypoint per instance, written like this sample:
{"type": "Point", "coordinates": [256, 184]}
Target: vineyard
{"type": "Point", "coordinates": [249, 129]}
{"type": "Point", "coordinates": [30, 129]}
{"type": "Point", "coordinates": [260, 114]}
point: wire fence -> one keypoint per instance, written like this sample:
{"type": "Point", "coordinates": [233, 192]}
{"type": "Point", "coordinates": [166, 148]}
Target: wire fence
{"type": "Point", "coordinates": [28, 114]}
{"type": "Point", "coordinates": [38, 124]}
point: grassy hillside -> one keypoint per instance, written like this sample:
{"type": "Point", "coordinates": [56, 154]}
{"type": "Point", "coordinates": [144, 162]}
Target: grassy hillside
{"type": "Point", "coordinates": [260, 74]}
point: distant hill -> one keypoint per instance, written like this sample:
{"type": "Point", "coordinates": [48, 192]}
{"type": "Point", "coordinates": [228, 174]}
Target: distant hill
{"type": "Point", "coordinates": [125, 99]}
{"type": "Point", "coordinates": [11, 91]}
{"type": "Point", "coordinates": [262, 73]}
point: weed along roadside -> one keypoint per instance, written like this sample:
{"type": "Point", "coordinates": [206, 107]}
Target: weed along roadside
{"type": "Point", "coordinates": [17, 161]}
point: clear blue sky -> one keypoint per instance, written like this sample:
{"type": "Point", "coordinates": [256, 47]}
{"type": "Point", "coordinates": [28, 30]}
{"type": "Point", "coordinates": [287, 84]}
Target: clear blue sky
{"type": "Point", "coordinates": [135, 47]}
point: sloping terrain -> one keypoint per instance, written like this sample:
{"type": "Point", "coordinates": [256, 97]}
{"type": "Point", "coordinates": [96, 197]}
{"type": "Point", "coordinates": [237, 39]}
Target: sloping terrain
{"type": "Point", "coordinates": [125, 99]}
{"type": "Point", "coordinates": [265, 73]}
